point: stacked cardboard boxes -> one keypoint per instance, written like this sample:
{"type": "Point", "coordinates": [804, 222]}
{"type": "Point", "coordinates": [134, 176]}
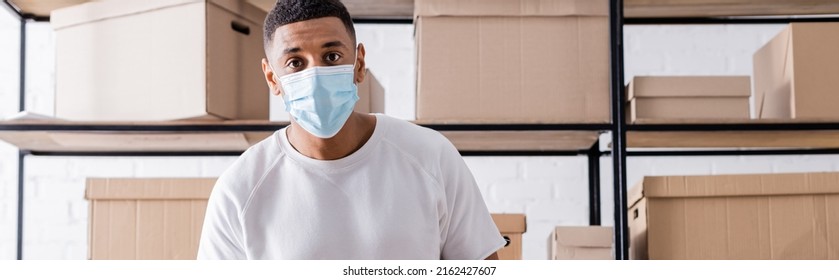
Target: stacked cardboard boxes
{"type": "Point", "coordinates": [793, 79]}
{"type": "Point", "coordinates": [522, 61]}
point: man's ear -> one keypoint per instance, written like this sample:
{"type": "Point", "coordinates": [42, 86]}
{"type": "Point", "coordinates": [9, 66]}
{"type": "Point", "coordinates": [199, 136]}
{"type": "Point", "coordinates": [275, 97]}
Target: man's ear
{"type": "Point", "coordinates": [271, 79]}
{"type": "Point", "coordinates": [360, 65]}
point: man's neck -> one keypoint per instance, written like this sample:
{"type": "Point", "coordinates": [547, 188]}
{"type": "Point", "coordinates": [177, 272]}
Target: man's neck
{"type": "Point", "coordinates": [356, 131]}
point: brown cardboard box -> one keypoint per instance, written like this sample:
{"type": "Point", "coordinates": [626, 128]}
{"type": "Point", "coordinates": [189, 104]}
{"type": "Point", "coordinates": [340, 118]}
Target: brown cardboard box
{"type": "Point", "coordinates": [689, 97]}
{"type": "Point", "coordinates": [159, 60]}
{"type": "Point", "coordinates": [795, 73]}
{"type": "Point", "coordinates": [371, 95]}
{"type": "Point", "coordinates": [512, 226]}
{"type": "Point", "coordinates": [146, 219]}
{"type": "Point", "coordinates": [581, 243]}
{"type": "Point", "coordinates": [773, 216]}
{"type": "Point", "coordinates": [522, 61]}
{"type": "Point", "coordinates": [371, 99]}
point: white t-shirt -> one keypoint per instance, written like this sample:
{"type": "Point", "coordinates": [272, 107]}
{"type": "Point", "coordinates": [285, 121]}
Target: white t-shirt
{"type": "Point", "coordinates": [405, 194]}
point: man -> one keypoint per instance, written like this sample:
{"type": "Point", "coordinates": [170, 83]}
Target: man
{"type": "Point", "coordinates": [336, 184]}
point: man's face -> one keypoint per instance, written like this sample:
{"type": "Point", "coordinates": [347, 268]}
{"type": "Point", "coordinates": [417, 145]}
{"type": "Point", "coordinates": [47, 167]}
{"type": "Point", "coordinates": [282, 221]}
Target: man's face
{"type": "Point", "coordinates": [302, 45]}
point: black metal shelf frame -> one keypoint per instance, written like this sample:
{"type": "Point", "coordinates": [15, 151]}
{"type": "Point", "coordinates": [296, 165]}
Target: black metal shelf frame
{"type": "Point", "coordinates": [619, 151]}
{"type": "Point", "coordinates": [618, 126]}
{"type": "Point", "coordinates": [803, 126]}
{"type": "Point", "coordinates": [621, 228]}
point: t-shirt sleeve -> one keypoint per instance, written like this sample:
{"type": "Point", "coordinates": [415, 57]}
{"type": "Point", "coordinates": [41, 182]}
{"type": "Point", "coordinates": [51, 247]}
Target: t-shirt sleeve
{"type": "Point", "coordinates": [221, 235]}
{"type": "Point", "coordinates": [468, 232]}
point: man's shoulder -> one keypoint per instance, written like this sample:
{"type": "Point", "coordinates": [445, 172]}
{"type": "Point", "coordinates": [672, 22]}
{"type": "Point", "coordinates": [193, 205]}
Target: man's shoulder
{"type": "Point", "coordinates": [412, 136]}
{"type": "Point", "coordinates": [246, 171]}
{"type": "Point", "coordinates": [427, 146]}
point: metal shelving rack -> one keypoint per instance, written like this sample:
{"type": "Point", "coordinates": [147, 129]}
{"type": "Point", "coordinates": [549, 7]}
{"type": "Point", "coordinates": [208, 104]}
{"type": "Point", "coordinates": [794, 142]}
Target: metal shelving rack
{"type": "Point", "coordinates": [620, 130]}
{"type": "Point", "coordinates": [721, 129]}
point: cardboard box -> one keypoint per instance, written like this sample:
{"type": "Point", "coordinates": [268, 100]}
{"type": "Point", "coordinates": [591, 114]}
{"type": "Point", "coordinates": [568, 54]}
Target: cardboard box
{"type": "Point", "coordinates": [146, 219]}
{"type": "Point", "coordinates": [523, 61]}
{"type": "Point", "coordinates": [773, 216]}
{"type": "Point", "coordinates": [159, 60]}
{"type": "Point", "coordinates": [581, 243]}
{"type": "Point", "coordinates": [689, 97]}
{"type": "Point", "coordinates": [371, 95]}
{"type": "Point", "coordinates": [512, 226]}
{"type": "Point", "coordinates": [795, 73]}
{"type": "Point", "coordinates": [371, 99]}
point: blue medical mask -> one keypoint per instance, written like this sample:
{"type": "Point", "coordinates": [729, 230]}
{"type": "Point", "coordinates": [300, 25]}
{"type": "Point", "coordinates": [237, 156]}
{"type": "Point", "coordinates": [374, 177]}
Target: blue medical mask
{"type": "Point", "coordinates": [321, 99]}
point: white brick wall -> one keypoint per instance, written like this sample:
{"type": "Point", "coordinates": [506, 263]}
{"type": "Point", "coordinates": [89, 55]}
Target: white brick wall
{"type": "Point", "coordinates": [10, 48]}
{"type": "Point", "coordinates": [40, 71]}
{"type": "Point", "coordinates": [550, 190]}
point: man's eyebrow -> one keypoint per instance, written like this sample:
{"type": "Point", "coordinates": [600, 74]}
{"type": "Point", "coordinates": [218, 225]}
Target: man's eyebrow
{"type": "Point", "coordinates": [291, 50]}
{"type": "Point", "coordinates": [333, 44]}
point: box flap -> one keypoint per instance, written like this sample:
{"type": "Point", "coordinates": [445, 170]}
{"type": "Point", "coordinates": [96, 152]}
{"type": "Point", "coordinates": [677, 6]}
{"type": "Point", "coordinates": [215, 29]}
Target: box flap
{"type": "Point", "coordinates": [511, 8]}
{"type": "Point", "coordinates": [594, 236]}
{"type": "Point", "coordinates": [690, 86]}
{"type": "Point", "coordinates": [741, 185]}
{"type": "Point", "coordinates": [635, 194]}
{"type": "Point", "coordinates": [101, 10]}
{"type": "Point", "coordinates": [510, 222]}
{"type": "Point", "coordinates": [771, 79]}
{"type": "Point", "coordinates": [137, 188]}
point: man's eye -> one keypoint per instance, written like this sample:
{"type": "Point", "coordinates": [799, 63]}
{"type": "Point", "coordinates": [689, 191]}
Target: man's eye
{"type": "Point", "coordinates": [333, 57]}
{"type": "Point", "coordinates": [294, 64]}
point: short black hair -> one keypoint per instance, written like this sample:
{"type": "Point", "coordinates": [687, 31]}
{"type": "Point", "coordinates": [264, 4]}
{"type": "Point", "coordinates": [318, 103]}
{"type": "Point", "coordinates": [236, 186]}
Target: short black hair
{"type": "Point", "coordinates": [291, 11]}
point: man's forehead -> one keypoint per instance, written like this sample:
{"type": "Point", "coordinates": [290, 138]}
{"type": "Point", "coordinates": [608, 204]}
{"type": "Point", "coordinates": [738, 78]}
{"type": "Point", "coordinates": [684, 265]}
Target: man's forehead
{"type": "Point", "coordinates": [314, 32]}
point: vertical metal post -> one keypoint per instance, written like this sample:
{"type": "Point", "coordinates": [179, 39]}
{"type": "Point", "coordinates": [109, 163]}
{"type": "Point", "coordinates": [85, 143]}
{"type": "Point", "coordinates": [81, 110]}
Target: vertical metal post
{"type": "Point", "coordinates": [618, 129]}
{"type": "Point", "coordinates": [21, 154]}
{"type": "Point", "coordinates": [594, 184]}
{"type": "Point", "coordinates": [22, 100]}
